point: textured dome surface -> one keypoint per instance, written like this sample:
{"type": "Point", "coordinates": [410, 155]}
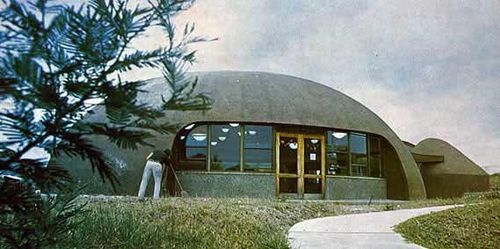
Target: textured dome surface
{"type": "Point", "coordinates": [452, 177]}
{"type": "Point", "coordinates": [455, 162]}
{"type": "Point", "coordinates": [272, 98]}
{"type": "Point", "coordinates": [275, 98]}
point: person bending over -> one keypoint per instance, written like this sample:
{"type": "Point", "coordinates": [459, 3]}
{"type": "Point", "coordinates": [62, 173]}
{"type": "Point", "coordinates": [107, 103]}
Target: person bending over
{"type": "Point", "coordinates": [154, 164]}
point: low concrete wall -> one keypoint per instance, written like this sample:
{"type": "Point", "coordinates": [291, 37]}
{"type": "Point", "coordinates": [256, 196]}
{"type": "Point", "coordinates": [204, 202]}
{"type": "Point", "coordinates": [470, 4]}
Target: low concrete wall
{"type": "Point", "coordinates": [227, 184]}
{"type": "Point", "coordinates": [352, 188]}
{"type": "Point", "coordinates": [236, 184]}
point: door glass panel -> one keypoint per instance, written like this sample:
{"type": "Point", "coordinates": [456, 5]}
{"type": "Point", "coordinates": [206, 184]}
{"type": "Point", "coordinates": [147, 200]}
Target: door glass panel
{"type": "Point", "coordinates": [312, 185]}
{"type": "Point", "coordinates": [308, 178]}
{"type": "Point", "coordinates": [288, 185]}
{"type": "Point", "coordinates": [312, 156]}
{"type": "Point", "coordinates": [288, 155]}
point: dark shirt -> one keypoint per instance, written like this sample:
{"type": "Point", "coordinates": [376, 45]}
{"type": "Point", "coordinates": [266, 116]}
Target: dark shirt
{"type": "Point", "coordinates": [159, 156]}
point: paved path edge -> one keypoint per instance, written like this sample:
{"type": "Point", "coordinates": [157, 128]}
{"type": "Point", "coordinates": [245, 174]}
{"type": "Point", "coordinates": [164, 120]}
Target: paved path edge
{"type": "Point", "coordinates": [364, 230]}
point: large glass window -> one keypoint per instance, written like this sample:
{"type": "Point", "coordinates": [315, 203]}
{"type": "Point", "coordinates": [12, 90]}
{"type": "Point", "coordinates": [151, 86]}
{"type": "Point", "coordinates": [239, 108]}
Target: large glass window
{"type": "Point", "coordinates": [225, 147]}
{"type": "Point", "coordinates": [241, 147]}
{"type": "Point", "coordinates": [337, 153]}
{"type": "Point", "coordinates": [359, 162]}
{"type": "Point", "coordinates": [194, 150]}
{"type": "Point", "coordinates": [347, 154]}
{"type": "Point", "coordinates": [222, 144]}
{"type": "Point", "coordinates": [258, 149]}
{"type": "Point", "coordinates": [196, 143]}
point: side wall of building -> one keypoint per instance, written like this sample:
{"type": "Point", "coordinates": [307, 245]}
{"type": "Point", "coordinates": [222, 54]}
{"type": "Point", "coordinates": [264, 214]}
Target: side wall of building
{"type": "Point", "coordinates": [397, 188]}
{"type": "Point", "coordinates": [454, 185]}
{"type": "Point", "coordinates": [453, 177]}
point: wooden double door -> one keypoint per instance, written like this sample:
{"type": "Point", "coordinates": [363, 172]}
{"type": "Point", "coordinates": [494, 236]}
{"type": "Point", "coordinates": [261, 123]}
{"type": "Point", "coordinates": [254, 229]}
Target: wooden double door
{"type": "Point", "coordinates": [300, 165]}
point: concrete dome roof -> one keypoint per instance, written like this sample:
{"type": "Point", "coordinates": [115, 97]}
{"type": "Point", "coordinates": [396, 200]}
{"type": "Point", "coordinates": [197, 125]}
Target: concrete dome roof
{"type": "Point", "coordinates": [455, 162]}
{"type": "Point", "coordinates": [276, 98]}
{"type": "Point", "coordinates": [273, 98]}
{"type": "Point", "coordinates": [455, 175]}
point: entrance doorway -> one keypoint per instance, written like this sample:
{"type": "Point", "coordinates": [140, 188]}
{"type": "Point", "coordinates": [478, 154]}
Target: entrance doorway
{"type": "Point", "coordinates": [300, 165]}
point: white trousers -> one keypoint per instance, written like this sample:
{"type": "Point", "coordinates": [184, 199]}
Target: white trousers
{"type": "Point", "coordinates": [157, 169]}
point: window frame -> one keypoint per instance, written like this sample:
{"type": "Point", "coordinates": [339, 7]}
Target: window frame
{"type": "Point", "coordinates": [355, 169]}
{"type": "Point", "coordinates": [352, 165]}
{"type": "Point", "coordinates": [184, 154]}
{"type": "Point", "coordinates": [210, 128]}
{"type": "Point", "coordinates": [183, 159]}
{"type": "Point", "coordinates": [351, 169]}
{"type": "Point", "coordinates": [244, 149]}
{"type": "Point", "coordinates": [346, 153]}
{"type": "Point", "coordinates": [379, 156]}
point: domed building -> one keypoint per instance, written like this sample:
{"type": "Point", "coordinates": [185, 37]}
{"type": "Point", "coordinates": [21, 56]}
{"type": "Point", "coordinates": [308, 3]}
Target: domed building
{"type": "Point", "coordinates": [276, 136]}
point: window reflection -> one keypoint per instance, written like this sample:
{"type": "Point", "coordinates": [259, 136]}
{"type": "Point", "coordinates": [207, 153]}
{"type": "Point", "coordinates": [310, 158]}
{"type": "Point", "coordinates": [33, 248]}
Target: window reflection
{"type": "Point", "coordinates": [288, 155]}
{"type": "Point", "coordinates": [196, 143]}
{"type": "Point", "coordinates": [348, 153]}
{"type": "Point", "coordinates": [358, 143]}
{"type": "Point", "coordinates": [258, 154]}
{"type": "Point", "coordinates": [339, 141]}
{"type": "Point", "coordinates": [224, 148]}
{"type": "Point", "coordinates": [337, 153]}
{"type": "Point", "coordinates": [193, 152]}
{"type": "Point", "coordinates": [312, 156]}
{"type": "Point", "coordinates": [359, 159]}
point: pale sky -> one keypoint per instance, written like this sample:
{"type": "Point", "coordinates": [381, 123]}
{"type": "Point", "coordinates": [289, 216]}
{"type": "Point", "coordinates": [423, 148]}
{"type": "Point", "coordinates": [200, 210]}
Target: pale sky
{"type": "Point", "coordinates": [428, 68]}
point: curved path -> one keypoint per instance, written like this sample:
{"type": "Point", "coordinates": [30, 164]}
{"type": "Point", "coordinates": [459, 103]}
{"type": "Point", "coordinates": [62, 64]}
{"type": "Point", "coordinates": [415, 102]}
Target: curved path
{"type": "Point", "coordinates": [367, 230]}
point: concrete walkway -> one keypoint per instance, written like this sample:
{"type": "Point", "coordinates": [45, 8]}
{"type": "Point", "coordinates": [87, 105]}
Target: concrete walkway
{"type": "Point", "coordinates": [368, 230]}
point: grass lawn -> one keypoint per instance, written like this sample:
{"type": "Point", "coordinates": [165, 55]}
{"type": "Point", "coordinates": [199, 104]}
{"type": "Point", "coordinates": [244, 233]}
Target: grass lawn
{"type": "Point", "coordinates": [191, 223]}
{"type": "Point", "coordinates": [204, 223]}
{"type": "Point", "coordinates": [495, 181]}
{"type": "Point", "coordinates": [476, 225]}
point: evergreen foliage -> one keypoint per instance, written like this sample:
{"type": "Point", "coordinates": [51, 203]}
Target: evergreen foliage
{"type": "Point", "coordinates": [57, 63]}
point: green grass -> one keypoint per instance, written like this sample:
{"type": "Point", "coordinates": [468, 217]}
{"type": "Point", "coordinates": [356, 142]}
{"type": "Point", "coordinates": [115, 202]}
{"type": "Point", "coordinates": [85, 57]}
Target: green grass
{"type": "Point", "coordinates": [424, 203]}
{"type": "Point", "coordinates": [476, 225]}
{"type": "Point", "coordinates": [204, 222]}
{"type": "Point", "coordinates": [194, 223]}
{"type": "Point", "coordinates": [495, 181]}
